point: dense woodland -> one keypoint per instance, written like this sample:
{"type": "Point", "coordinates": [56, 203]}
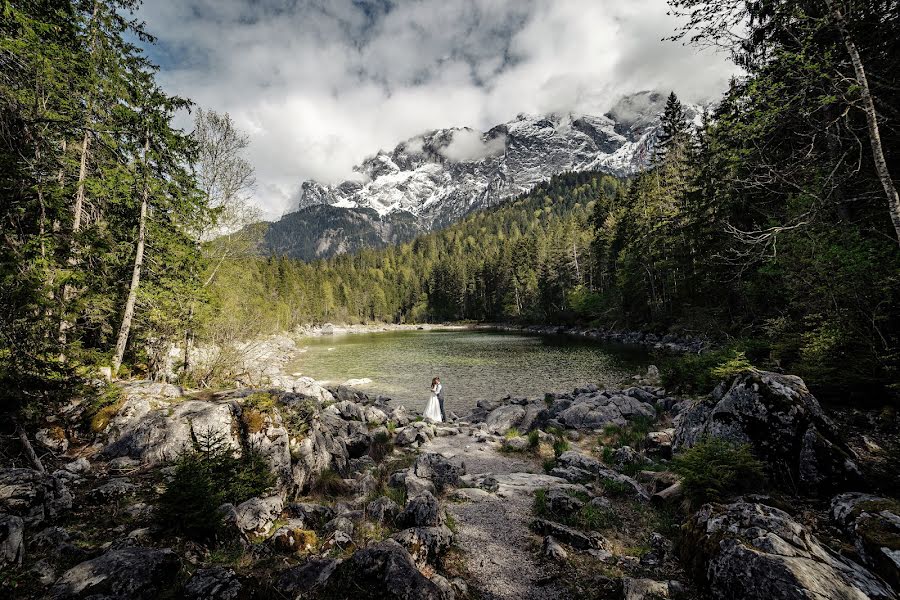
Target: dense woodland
{"type": "Point", "coordinates": [775, 222]}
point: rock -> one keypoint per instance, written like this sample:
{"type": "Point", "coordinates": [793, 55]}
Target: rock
{"type": "Point", "coordinates": [79, 465]}
{"type": "Point", "coordinates": [425, 544]}
{"type": "Point", "coordinates": [342, 524]}
{"type": "Point", "coordinates": [660, 442]}
{"type": "Point", "coordinates": [421, 511]}
{"type": "Point", "coordinates": [516, 444]}
{"type": "Point", "coordinates": [53, 439]}
{"type": "Point", "coordinates": [214, 583]}
{"type": "Point", "coordinates": [595, 410]}
{"type": "Point", "coordinates": [12, 533]}
{"type": "Point", "coordinates": [123, 464]}
{"type": "Point", "coordinates": [447, 588]}
{"type": "Point", "coordinates": [304, 579]}
{"type": "Point", "coordinates": [874, 524]}
{"type": "Point", "coordinates": [471, 494]}
{"type": "Point", "coordinates": [257, 515]}
{"type": "Point", "coordinates": [626, 456]}
{"type": "Point", "coordinates": [551, 549]}
{"type": "Point", "coordinates": [304, 387]}
{"type": "Point", "coordinates": [504, 418]}
{"type": "Point", "coordinates": [645, 589]}
{"type": "Point", "coordinates": [561, 502]}
{"type": "Point", "coordinates": [319, 450]}
{"type": "Point", "coordinates": [439, 470]}
{"type": "Point", "coordinates": [135, 573]}
{"type": "Point", "coordinates": [32, 495]}
{"type": "Point", "coordinates": [579, 468]}
{"type": "Point", "coordinates": [113, 490]}
{"type": "Point", "coordinates": [383, 510]}
{"type": "Point", "coordinates": [783, 423]}
{"type": "Point", "coordinates": [756, 552]}
{"type": "Point", "coordinates": [418, 485]}
{"type": "Point", "coordinates": [381, 571]}
{"type": "Point", "coordinates": [568, 535]}
{"type": "Point", "coordinates": [418, 432]}
{"type": "Point", "coordinates": [293, 539]}
{"type": "Point", "coordinates": [313, 515]}
{"type": "Point", "coordinates": [156, 432]}
{"type": "Point", "coordinates": [364, 484]}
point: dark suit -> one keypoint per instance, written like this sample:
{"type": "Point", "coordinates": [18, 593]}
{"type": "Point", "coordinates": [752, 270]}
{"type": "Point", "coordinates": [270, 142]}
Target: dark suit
{"type": "Point", "coordinates": [441, 403]}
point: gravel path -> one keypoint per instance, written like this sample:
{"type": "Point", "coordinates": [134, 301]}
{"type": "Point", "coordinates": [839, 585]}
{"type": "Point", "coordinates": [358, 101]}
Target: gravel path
{"type": "Point", "coordinates": [492, 530]}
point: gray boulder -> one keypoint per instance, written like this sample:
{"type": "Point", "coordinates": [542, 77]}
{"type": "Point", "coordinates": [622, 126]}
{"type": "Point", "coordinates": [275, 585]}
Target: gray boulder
{"type": "Point", "coordinates": [756, 552]}
{"type": "Point", "coordinates": [313, 515]}
{"type": "Point", "coordinates": [595, 410]}
{"type": "Point", "coordinates": [215, 583]}
{"type": "Point", "coordinates": [421, 511]}
{"type": "Point", "coordinates": [33, 496]}
{"type": "Point", "coordinates": [382, 571]}
{"type": "Point", "coordinates": [552, 549]}
{"type": "Point", "coordinates": [383, 510]}
{"type": "Point", "coordinates": [135, 573]}
{"type": "Point", "coordinates": [258, 515]}
{"type": "Point", "coordinates": [873, 522]}
{"type": "Point", "coordinates": [579, 468]}
{"type": "Point", "coordinates": [155, 431]}
{"type": "Point", "coordinates": [425, 544]}
{"type": "Point", "coordinates": [504, 418]}
{"type": "Point", "coordinates": [561, 502]}
{"type": "Point", "coordinates": [439, 470]}
{"type": "Point", "coordinates": [317, 451]}
{"type": "Point", "coordinates": [53, 439]}
{"type": "Point", "coordinates": [12, 533]}
{"type": "Point", "coordinates": [783, 423]}
{"type": "Point", "coordinates": [569, 535]}
{"type": "Point", "coordinates": [304, 580]}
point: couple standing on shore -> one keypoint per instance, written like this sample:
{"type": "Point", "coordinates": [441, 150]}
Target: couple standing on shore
{"type": "Point", "coordinates": [434, 410]}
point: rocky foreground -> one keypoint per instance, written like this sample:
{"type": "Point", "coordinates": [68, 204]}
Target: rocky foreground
{"type": "Point", "coordinates": [569, 495]}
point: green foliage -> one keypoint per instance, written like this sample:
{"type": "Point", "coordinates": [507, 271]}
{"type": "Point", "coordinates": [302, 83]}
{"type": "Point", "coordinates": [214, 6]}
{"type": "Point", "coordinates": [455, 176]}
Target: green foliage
{"type": "Point", "coordinates": [511, 433]}
{"type": "Point", "coordinates": [207, 477]}
{"type": "Point", "coordinates": [715, 469]}
{"type": "Point", "coordinates": [614, 487]}
{"type": "Point", "coordinates": [591, 518]}
{"type": "Point", "coordinates": [534, 438]}
{"type": "Point", "coordinates": [735, 365]}
{"type": "Point", "coordinates": [560, 445]}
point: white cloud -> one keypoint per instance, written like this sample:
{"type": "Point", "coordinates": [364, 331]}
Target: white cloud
{"type": "Point", "coordinates": [467, 144]}
{"type": "Point", "coordinates": [321, 84]}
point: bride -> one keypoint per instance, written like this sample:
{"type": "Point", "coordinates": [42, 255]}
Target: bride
{"type": "Point", "coordinates": [433, 408]}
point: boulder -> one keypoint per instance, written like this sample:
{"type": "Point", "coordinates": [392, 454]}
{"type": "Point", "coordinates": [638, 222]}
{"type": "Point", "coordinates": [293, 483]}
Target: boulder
{"type": "Point", "coordinates": [53, 439]}
{"type": "Point", "coordinates": [383, 510]}
{"type": "Point", "coordinates": [304, 579]}
{"type": "Point", "coordinates": [313, 515]}
{"type": "Point", "coordinates": [12, 533]}
{"type": "Point", "coordinates": [645, 589]}
{"type": "Point", "coordinates": [114, 489]}
{"type": "Point", "coordinates": [873, 522]}
{"type": "Point", "coordinates": [561, 502]}
{"type": "Point", "coordinates": [756, 552]}
{"type": "Point", "coordinates": [293, 539]}
{"type": "Point", "coordinates": [416, 433]}
{"type": "Point", "coordinates": [421, 511]}
{"type": "Point", "coordinates": [551, 549]}
{"type": "Point", "coordinates": [595, 410]}
{"type": "Point", "coordinates": [439, 470]}
{"type": "Point", "coordinates": [342, 524]}
{"type": "Point", "coordinates": [382, 571]}
{"type": "Point", "coordinates": [504, 418]}
{"type": "Point", "coordinates": [135, 573]}
{"type": "Point", "coordinates": [516, 444]}
{"type": "Point", "coordinates": [317, 451]}
{"type": "Point", "coordinates": [215, 583]}
{"type": "Point", "coordinates": [783, 423]}
{"type": "Point", "coordinates": [33, 496]}
{"type": "Point", "coordinates": [425, 544]}
{"type": "Point", "coordinates": [579, 468]}
{"type": "Point", "coordinates": [304, 387]}
{"type": "Point", "coordinates": [156, 432]}
{"type": "Point", "coordinates": [569, 535]}
{"type": "Point", "coordinates": [660, 442]}
{"type": "Point", "coordinates": [257, 515]}
{"type": "Point", "coordinates": [417, 485]}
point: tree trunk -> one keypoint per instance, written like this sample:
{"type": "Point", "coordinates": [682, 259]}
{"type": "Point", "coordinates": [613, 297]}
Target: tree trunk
{"type": "Point", "coordinates": [125, 328]}
{"type": "Point", "coordinates": [865, 94]}
{"type": "Point", "coordinates": [33, 458]}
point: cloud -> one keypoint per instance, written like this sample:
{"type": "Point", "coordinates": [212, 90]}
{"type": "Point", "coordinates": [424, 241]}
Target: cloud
{"type": "Point", "coordinates": [321, 84]}
{"type": "Point", "coordinates": [468, 144]}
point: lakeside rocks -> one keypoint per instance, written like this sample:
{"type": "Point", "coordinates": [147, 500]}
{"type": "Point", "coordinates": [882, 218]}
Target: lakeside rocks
{"type": "Point", "coordinates": [753, 551]}
{"type": "Point", "coordinates": [782, 422]}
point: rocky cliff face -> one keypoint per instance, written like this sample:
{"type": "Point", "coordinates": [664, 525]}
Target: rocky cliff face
{"type": "Point", "coordinates": [436, 178]}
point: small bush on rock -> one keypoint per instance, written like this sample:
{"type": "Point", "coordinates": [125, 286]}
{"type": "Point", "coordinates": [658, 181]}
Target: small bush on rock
{"type": "Point", "coordinates": [715, 469]}
{"type": "Point", "coordinates": [207, 477]}
{"type": "Point", "coordinates": [534, 438]}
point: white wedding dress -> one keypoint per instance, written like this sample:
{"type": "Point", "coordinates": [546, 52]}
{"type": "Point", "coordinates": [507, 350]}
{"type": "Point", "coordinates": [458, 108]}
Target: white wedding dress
{"type": "Point", "coordinates": [433, 408]}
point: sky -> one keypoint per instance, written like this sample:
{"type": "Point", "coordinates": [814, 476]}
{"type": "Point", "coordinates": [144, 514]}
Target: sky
{"type": "Point", "coordinates": [318, 85]}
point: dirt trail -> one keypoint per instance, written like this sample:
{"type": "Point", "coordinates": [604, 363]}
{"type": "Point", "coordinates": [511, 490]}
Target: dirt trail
{"type": "Point", "coordinates": [492, 530]}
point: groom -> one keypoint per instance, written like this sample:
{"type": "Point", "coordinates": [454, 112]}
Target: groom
{"type": "Point", "coordinates": [440, 395]}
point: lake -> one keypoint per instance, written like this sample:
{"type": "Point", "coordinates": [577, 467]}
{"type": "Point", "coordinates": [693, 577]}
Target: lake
{"type": "Point", "coordinates": [472, 365]}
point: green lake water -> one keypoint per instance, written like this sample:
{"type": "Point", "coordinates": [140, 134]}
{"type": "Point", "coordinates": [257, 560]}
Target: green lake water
{"type": "Point", "coordinates": [472, 365]}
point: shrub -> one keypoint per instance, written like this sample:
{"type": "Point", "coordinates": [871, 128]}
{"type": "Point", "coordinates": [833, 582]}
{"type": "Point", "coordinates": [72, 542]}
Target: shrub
{"type": "Point", "coordinates": [614, 487]}
{"type": "Point", "coordinates": [205, 478]}
{"type": "Point", "coordinates": [715, 469]}
{"type": "Point", "coordinates": [587, 517]}
{"type": "Point", "coordinates": [560, 445]}
{"type": "Point", "coordinates": [534, 438]}
{"type": "Point", "coordinates": [511, 433]}
{"type": "Point", "coordinates": [329, 483]}
{"type": "Point", "coordinates": [735, 365]}
{"type": "Point", "coordinates": [381, 446]}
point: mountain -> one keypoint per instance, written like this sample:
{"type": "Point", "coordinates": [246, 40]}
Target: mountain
{"type": "Point", "coordinates": [436, 178]}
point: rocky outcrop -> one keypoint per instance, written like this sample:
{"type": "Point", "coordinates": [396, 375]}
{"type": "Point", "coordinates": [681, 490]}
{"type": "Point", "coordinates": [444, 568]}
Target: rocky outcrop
{"type": "Point", "coordinates": [756, 552]}
{"type": "Point", "coordinates": [305, 579]}
{"type": "Point", "coordinates": [382, 571]}
{"type": "Point", "coordinates": [215, 583]}
{"type": "Point", "coordinates": [425, 544]}
{"type": "Point", "coordinates": [421, 511]}
{"type": "Point", "coordinates": [783, 423]}
{"type": "Point", "coordinates": [12, 533]}
{"type": "Point", "coordinates": [257, 515]}
{"type": "Point", "coordinates": [35, 497]}
{"type": "Point", "coordinates": [136, 573]}
{"type": "Point", "coordinates": [873, 522]}
{"type": "Point", "coordinates": [439, 470]}
{"type": "Point", "coordinates": [579, 468]}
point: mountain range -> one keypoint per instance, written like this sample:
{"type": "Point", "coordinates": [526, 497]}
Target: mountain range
{"type": "Point", "coordinates": [432, 180]}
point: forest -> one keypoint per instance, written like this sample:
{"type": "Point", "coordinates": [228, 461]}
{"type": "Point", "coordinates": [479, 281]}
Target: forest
{"type": "Point", "coordinates": [773, 224]}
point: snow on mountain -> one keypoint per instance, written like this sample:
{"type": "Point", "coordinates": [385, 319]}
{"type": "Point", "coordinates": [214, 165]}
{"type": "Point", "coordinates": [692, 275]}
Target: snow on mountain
{"type": "Point", "coordinates": [444, 174]}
